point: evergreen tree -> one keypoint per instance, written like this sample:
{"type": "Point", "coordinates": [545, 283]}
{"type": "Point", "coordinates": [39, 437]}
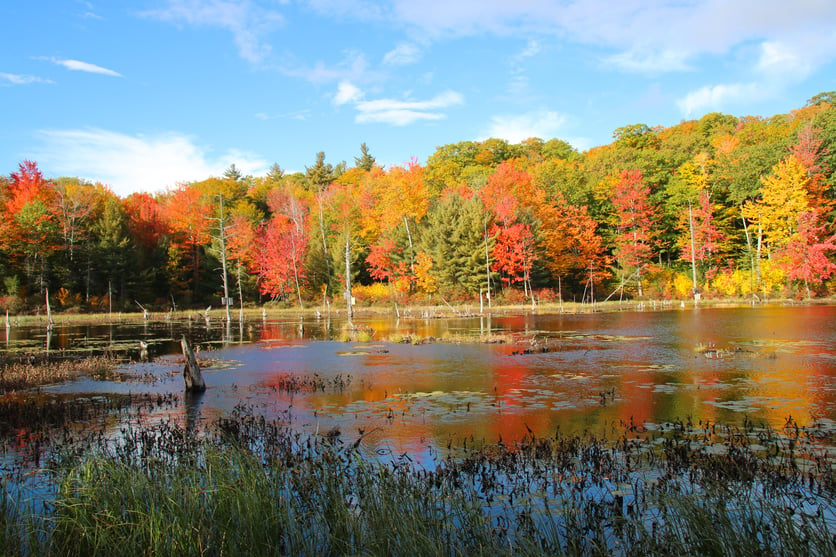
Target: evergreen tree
{"type": "Point", "coordinates": [365, 160]}
{"type": "Point", "coordinates": [113, 251]}
{"type": "Point", "coordinates": [232, 173]}
{"type": "Point", "coordinates": [319, 177]}
{"type": "Point", "coordinates": [455, 240]}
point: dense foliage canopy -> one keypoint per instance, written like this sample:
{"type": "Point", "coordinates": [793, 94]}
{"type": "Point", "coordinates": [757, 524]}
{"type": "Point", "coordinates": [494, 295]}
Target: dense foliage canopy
{"type": "Point", "coordinates": [722, 205]}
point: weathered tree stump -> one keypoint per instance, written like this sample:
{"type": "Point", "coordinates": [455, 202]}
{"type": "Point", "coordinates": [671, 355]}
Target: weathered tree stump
{"type": "Point", "coordinates": [191, 371]}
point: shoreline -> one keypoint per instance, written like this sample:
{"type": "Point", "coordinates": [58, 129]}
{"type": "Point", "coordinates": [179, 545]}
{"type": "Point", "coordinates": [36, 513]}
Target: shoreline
{"type": "Point", "coordinates": [422, 311]}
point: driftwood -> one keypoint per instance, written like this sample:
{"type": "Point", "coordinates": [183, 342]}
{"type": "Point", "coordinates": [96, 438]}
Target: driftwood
{"type": "Point", "coordinates": [145, 314]}
{"type": "Point", "coordinates": [191, 371]}
{"type": "Point", "coordinates": [50, 325]}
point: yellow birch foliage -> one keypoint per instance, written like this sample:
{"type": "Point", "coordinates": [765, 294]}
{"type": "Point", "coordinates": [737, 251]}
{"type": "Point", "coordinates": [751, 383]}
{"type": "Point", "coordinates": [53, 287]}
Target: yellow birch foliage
{"type": "Point", "coordinates": [683, 285]}
{"type": "Point", "coordinates": [773, 277]}
{"type": "Point", "coordinates": [783, 198]}
{"type": "Point", "coordinates": [729, 282]}
{"type": "Point", "coordinates": [423, 278]}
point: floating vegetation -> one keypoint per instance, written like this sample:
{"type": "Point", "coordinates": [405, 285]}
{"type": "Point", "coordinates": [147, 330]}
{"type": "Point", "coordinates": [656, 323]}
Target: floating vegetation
{"type": "Point", "coordinates": [36, 428]}
{"type": "Point", "coordinates": [713, 352]}
{"type": "Point", "coordinates": [364, 350]}
{"type": "Point", "coordinates": [356, 333]}
{"type": "Point", "coordinates": [36, 371]}
{"type": "Point", "coordinates": [288, 383]}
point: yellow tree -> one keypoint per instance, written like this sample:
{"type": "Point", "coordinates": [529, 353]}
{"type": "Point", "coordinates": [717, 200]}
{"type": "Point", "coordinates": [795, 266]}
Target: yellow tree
{"type": "Point", "coordinates": [407, 199]}
{"type": "Point", "coordinates": [398, 199]}
{"type": "Point", "coordinates": [783, 196]}
{"type": "Point", "coordinates": [773, 218]}
{"type": "Point", "coordinates": [690, 204]}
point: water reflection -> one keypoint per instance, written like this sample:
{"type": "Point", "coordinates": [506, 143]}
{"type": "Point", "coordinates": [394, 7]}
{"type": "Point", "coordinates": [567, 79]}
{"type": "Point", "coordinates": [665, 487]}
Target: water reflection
{"type": "Point", "coordinates": [192, 403]}
{"type": "Point", "coordinates": [569, 372]}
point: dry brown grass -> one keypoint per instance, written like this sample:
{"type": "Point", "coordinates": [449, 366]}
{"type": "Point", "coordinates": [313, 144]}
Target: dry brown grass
{"type": "Point", "coordinates": [21, 375]}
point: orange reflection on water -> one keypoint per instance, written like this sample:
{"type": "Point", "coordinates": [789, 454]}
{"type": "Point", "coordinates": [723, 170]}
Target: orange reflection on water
{"type": "Point", "coordinates": [589, 372]}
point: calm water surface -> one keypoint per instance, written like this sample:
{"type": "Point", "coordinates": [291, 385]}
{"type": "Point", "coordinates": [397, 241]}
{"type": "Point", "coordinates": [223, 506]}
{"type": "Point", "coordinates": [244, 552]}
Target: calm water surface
{"type": "Point", "coordinates": [575, 372]}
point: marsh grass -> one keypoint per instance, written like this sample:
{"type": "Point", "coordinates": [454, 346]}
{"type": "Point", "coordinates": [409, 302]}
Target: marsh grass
{"type": "Point", "coordinates": [221, 499]}
{"type": "Point", "coordinates": [250, 486]}
{"type": "Point", "coordinates": [32, 371]}
{"type": "Point", "coordinates": [416, 311]}
{"type": "Point", "coordinates": [710, 524]}
{"type": "Point", "coordinates": [355, 333]}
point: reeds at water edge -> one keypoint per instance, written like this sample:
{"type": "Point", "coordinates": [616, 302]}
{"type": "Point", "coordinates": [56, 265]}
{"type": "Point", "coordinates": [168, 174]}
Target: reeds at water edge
{"type": "Point", "coordinates": [247, 484]}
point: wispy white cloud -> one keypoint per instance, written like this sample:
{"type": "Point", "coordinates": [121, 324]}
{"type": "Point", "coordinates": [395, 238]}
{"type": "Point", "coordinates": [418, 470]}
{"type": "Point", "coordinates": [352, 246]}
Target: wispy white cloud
{"type": "Point", "coordinates": [719, 97]}
{"type": "Point", "coordinates": [778, 66]}
{"type": "Point", "coordinates": [393, 111]}
{"type": "Point", "coordinates": [346, 93]}
{"type": "Point", "coordinates": [18, 79]}
{"type": "Point", "coordinates": [706, 25]}
{"type": "Point", "coordinates": [295, 115]}
{"type": "Point", "coordinates": [79, 66]}
{"type": "Point", "coordinates": [90, 14]}
{"type": "Point", "coordinates": [514, 128]}
{"type": "Point", "coordinates": [246, 20]}
{"type": "Point", "coordinates": [781, 59]}
{"type": "Point", "coordinates": [532, 48]}
{"type": "Point", "coordinates": [130, 163]}
{"type": "Point", "coordinates": [401, 113]}
{"type": "Point", "coordinates": [353, 66]}
{"type": "Point", "coordinates": [659, 36]}
{"type": "Point", "coordinates": [649, 62]}
{"type": "Point", "coordinates": [518, 86]}
{"type": "Point", "coordinates": [402, 55]}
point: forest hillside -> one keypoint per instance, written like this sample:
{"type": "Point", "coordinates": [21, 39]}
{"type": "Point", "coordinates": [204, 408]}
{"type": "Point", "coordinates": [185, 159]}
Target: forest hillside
{"type": "Point", "coordinates": [729, 206]}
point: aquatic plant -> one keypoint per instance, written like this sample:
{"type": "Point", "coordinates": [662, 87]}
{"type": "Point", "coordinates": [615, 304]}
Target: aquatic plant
{"type": "Point", "coordinates": [33, 371]}
{"type": "Point", "coordinates": [247, 484]}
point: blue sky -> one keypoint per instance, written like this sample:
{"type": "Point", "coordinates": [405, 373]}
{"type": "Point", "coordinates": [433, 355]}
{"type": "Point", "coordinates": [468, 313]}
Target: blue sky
{"type": "Point", "coordinates": [142, 95]}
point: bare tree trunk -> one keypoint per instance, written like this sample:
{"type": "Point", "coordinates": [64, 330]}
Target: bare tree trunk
{"type": "Point", "coordinates": [191, 371]}
{"type": "Point", "coordinates": [240, 295]}
{"type": "Point", "coordinates": [487, 262]}
{"type": "Point", "coordinates": [222, 228]}
{"type": "Point", "coordinates": [693, 251]}
{"type": "Point", "coordinates": [49, 323]}
{"type": "Point", "coordinates": [324, 240]}
{"type": "Point", "coordinates": [348, 278]}
{"type": "Point", "coordinates": [751, 253]}
{"type": "Point", "coordinates": [411, 247]}
{"type": "Point", "coordinates": [758, 258]}
{"type": "Point", "coordinates": [638, 268]}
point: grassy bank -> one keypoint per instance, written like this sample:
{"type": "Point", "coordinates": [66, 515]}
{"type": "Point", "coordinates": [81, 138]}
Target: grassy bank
{"type": "Point", "coordinates": [421, 310]}
{"type": "Point", "coordinates": [248, 486]}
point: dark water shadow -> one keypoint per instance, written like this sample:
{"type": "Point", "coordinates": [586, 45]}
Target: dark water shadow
{"type": "Point", "coordinates": [192, 404]}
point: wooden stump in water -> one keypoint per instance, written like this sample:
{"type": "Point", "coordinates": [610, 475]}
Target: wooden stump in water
{"type": "Point", "coordinates": [191, 371]}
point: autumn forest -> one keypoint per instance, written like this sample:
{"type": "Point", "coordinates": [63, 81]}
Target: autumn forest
{"type": "Point", "coordinates": [729, 206]}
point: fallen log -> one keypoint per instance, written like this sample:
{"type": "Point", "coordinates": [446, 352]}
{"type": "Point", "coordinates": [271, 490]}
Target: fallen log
{"type": "Point", "coordinates": [191, 371]}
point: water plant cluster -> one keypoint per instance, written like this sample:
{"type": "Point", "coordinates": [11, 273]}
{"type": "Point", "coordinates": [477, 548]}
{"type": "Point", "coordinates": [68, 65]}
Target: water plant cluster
{"type": "Point", "coordinates": [29, 371]}
{"type": "Point", "coordinates": [247, 485]}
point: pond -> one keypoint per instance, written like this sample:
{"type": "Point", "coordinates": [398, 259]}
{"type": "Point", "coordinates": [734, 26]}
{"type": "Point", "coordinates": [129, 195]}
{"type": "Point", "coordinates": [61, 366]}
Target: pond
{"type": "Point", "coordinates": [566, 372]}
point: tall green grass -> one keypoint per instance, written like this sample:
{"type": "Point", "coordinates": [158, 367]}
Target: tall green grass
{"type": "Point", "coordinates": [252, 487]}
{"type": "Point", "coordinates": [230, 504]}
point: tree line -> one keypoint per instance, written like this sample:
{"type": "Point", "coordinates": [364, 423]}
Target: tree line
{"type": "Point", "coordinates": [723, 206]}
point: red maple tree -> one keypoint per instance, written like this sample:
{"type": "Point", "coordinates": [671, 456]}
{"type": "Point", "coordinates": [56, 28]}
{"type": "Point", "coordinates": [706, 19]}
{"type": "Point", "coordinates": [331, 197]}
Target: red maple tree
{"type": "Point", "coordinates": [806, 256]}
{"type": "Point", "coordinates": [634, 220]}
